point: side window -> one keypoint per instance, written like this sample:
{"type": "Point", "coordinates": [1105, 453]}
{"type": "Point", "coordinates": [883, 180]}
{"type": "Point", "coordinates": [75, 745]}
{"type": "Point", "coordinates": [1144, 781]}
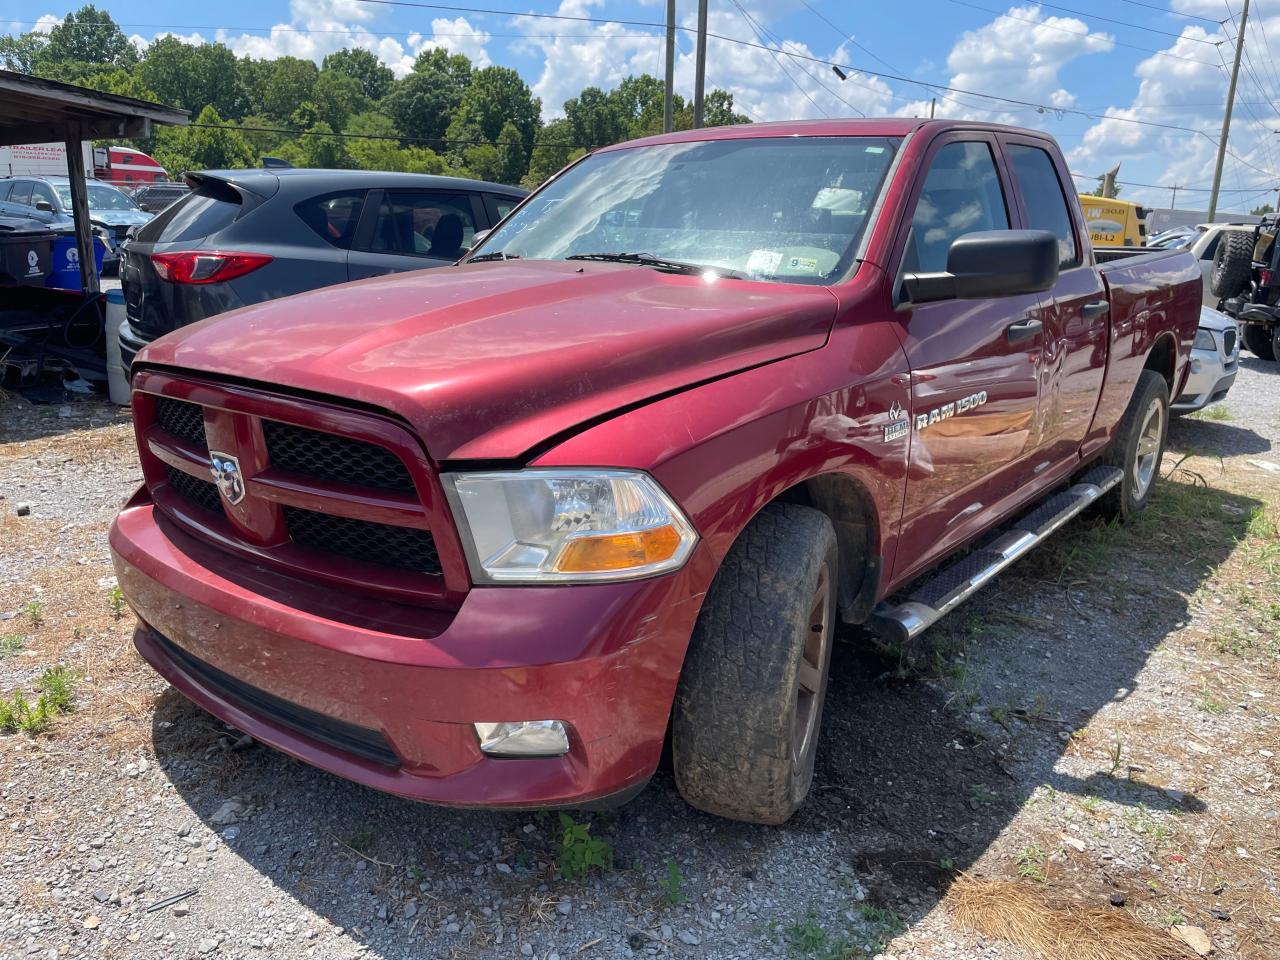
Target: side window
{"type": "Point", "coordinates": [1042, 196]}
{"type": "Point", "coordinates": [333, 217]}
{"type": "Point", "coordinates": [424, 224]}
{"type": "Point", "coordinates": [21, 192]}
{"type": "Point", "coordinates": [1212, 249]}
{"type": "Point", "coordinates": [502, 206]}
{"type": "Point", "coordinates": [961, 195]}
{"type": "Point", "coordinates": [40, 191]}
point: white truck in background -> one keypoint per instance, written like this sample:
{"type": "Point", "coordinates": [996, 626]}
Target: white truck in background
{"type": "Point", "coordinates": [46, 159]}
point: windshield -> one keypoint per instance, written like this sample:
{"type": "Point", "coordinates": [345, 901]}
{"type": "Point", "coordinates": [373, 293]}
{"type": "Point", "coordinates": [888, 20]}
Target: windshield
{"type": "Point", "coordinates": [777, 208]}
{"type": "Point", "coordinates": [101, 197]}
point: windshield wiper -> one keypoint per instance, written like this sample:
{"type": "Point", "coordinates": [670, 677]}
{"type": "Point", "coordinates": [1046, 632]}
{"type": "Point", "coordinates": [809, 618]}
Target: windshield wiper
{"type": "Point", "coordinates": [496, 255]}
{"type": "Point", "coordinates": [658, 263]}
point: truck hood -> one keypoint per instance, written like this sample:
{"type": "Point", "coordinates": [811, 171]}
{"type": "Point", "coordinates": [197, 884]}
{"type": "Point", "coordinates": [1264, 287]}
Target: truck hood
{"type": "Point", "coordinates": [487, 361]}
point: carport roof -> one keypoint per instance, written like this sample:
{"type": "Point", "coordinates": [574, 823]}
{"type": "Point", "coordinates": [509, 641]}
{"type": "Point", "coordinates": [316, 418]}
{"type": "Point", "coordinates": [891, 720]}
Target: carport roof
{"type": "Point", "coordinates": [34, 110]}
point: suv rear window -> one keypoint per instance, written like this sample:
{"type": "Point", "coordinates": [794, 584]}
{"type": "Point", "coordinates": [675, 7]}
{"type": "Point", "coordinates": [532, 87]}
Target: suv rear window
{"type": "Point", "coordinates": [333, 217]}
{"type": "Point", "coordinates": [206, 210]}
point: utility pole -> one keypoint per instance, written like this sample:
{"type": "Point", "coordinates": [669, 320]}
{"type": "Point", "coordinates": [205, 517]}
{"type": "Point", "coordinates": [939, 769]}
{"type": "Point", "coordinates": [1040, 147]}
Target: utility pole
{"type": "Point", "coordinates": [1173, 203]}
{"type": "Point", "coordinates": [700, 65]}
{"type": "Point", "coordinates": [933, 105]}
{"type": "Point", "coordinates": [668, 100]}
{"type": "Point", "coordinates": [1226, 117]}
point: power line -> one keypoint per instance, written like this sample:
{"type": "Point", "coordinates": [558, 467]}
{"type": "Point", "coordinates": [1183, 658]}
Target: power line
{"type": "Point", "coordinates": [1169, 186]}
{"type": "Point", "coordinates": [1124, 23]}
{"type": "Point", "coordinates": [1172, 13]}
{"type": "Point", "coordinates": [752, 24]}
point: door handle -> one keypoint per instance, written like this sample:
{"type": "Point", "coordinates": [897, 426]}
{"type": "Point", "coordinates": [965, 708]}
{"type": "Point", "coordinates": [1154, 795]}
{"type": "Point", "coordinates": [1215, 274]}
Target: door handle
{"type": "Point", "coordinates": [1024, 330]}
{"type": "Point", "coordinates": [1095, 308]}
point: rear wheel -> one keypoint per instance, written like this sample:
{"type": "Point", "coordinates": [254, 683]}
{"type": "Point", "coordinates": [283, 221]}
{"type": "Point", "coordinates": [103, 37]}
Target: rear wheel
{"type": "Point", "coordinates": [1260, 340]}
{"type": "Point", "coordinates": [749, 705]}
{"type": "Point", "coordinates": [1138, 446]}
{"type": "Point", "coordinates": [1232, 264]}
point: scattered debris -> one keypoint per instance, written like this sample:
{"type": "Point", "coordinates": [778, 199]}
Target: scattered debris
{"type": "Point", "coordinates": [1193, 937]}
{"type": "Point", "coordinates": [170, 901]}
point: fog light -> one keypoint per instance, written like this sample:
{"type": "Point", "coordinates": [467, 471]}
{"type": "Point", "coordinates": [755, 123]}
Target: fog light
{"type": "Point", "coordinates": [523, 738]}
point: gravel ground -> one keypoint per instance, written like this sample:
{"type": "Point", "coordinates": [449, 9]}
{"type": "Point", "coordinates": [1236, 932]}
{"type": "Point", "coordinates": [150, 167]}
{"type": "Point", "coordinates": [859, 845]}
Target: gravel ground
{"type": "Point", "coordinates": [1101, 726]}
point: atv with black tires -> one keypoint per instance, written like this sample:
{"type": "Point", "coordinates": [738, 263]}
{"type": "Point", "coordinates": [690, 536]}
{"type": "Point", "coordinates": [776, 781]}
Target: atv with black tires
{"type": "Point", "coordinates": [1246, 281]}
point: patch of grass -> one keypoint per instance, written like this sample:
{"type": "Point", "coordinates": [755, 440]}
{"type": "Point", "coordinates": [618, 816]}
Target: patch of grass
{"type": "Point", "coordinates": [35, 612]}
{"type": "Point", "coordinates": [1091, 802]}
{"type": "Point", "coordinates": [1261, 526]}
{"type": "Point", "coordinates": [1031, 860]}
{"type": "Point", "coordinates": [1216, 412]}
{"type": "Point", "coordinates": [1116, 756]}
{"type": "Point", "coordinates": [884, 924]}
{"type": "Point", "coordinates": [980, 795]}
{"type": "Point", "coordinates": [56, 696]}
{"type": "Point", "coordinates": [1141, 821]}
{"type": "Point", "coordinates": [1170, 918]}
{"type": "Point", "coordinates": [672, 884]}
{"type": "Point", "coordinates": [580, 853]}
{"type": "Point", "coordinates": [10, 644]}
{"type": "Point", "coordinates": [1210, 704]}
{"type": "Point", "coordinates": [809, 940]}
{"type": "Point", "coordinates": [362, 840]}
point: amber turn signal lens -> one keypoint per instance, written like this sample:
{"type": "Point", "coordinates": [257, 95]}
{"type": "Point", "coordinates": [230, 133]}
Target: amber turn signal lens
{"type": "Point", "coordinates": [619, 551]}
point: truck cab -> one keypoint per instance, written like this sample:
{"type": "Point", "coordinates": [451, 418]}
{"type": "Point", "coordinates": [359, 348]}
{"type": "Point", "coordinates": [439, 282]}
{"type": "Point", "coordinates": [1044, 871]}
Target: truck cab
{"type": "Point", "coordinates": [485, 534]}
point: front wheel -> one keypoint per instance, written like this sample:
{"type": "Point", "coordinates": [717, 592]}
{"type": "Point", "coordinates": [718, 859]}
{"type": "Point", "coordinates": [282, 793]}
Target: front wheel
{"type": "Point", "coordinates": [749, 704]}
{"type": "Point", "coordinates": [1138, 446]}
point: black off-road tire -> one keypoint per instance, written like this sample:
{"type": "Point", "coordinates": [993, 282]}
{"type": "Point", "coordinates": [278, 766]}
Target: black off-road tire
{"type": "Point", "coordinates": [1232, 264]}
{"type": "Point", "coordinates": [1259, 339]}
{"type": "Point", "coordinates": [1130, 448]}
{"type": "Point", "coordinates": [741, 703]}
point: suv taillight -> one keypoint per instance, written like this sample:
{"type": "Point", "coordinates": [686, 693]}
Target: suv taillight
{"type": "Point", "coordinates": [1264, 277]}
{"type": "Point", "coordinates": [206, 266]}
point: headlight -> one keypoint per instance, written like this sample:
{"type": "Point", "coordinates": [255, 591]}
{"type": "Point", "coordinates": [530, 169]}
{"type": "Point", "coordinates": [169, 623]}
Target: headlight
{"type": "Point", "coordinates": [555, 526]}
{"type": "Point", "coordinates": [1205, 341]}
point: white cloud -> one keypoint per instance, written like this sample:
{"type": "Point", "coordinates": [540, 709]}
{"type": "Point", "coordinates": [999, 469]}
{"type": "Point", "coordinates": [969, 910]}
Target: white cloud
{"type": "Point", "coordinates": [607, 53]}
{"type": "Point", "coordinates": [1187, 94]}
{"type": "Point", "coordinates": [456, 36]}
{"type": "Point", "coordinates": [1022, 53]}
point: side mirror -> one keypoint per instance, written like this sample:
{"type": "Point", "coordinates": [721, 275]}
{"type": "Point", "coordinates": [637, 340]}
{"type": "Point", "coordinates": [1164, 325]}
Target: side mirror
{"type": "Point", "coordinates": [44, 205]}
{"type": "Point", "coordinates": [989, 263]}
{"type": "Point", "coordinates": [478, 238]}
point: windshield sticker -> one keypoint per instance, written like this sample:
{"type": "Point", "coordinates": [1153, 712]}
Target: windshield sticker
{"type": "Point", "coordinates": [803, 265]}
{"type": "Point", "coordinates": [763, 261]}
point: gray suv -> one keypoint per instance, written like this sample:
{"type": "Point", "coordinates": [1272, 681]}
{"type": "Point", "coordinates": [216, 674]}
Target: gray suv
{"type": "Point", "coordinates": [244, 236]}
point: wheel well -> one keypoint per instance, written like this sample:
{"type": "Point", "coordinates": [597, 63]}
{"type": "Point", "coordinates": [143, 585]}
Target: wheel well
{"type": "Point", "coordinates": [1161, 359]}
{"type": "Point", "coordinates": [852, 512]}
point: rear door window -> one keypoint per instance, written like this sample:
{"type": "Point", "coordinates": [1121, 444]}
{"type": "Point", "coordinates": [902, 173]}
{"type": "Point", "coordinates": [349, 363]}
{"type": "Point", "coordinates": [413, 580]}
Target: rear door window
{"type": "Point", "coordinates": [21, 192]}
{"type": "Point", "coordinates": [500, 206]}
{"type": "Point", "coordinates": [425, 224]}
{"type": "Point", "coordinates": [1043, 200]}
{"type": "Point", "coordinates": [42, 191]}
{"type": "Point", "coordinates": [201, 213]}
{"type": "Point", "coordinates": [333, 217]}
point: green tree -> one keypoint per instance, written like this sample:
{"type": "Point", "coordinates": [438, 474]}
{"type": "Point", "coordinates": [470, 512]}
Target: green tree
{"type": "Point", "coordinates": [483, 161]}
{"type": "Point", "coordinates": [89, 36]}
{"type": "Point", "coordinates": [495, 97]}
{"type": "Point", "coordinates": [254, 75]}
{"type": "Point", "coordinates": [194, 76]}
{"type": "Point", "coordinates": [1262, 210]}
{"type": "Point", "coordinates": [206, 145]}
{"type": "Point", "coordinates": [317, 148]}
{"type": "Point", "coordinates": [337, 96]}
{"type": "Point", "coordinates": [363, 66]}
{"type": "Point", "coordinates": [422, 103]}
{"type": "Point", "coordinates": [640, 100]}
{"type": "Point", "coordinates": [514, 159]}
{"type": "Point", "coordinates": [555, 148]}
{"type": "Point", "coordinates": [1097, 190]}
{"type": "Point", "coordinates": [597, 118]}
{"type": "Point", "coordinates": [123, 83]}
{"type": "Point", "coordinates": [22, 53]}
{"type": "Point", "coordinates": [290, 84]}
{"type": "Point", "coordinates": [718, 110]}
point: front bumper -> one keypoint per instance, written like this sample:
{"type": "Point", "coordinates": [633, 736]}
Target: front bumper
{"type": "Point", "coordinates": [1208, 382]}
{"type": "Point", "coordinates": [387, 695]}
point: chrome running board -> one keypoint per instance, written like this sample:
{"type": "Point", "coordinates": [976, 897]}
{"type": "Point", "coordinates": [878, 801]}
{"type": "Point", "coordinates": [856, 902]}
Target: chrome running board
{"type": "Point", "coordinates": [945, 590]}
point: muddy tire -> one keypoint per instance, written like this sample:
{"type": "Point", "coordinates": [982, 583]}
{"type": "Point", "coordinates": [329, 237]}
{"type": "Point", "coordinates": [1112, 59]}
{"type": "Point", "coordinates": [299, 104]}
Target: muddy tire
{"type": "Point", "coordinates": [1232, 264]}
{"type": "Point", "coordinates": [1138, 447]}
{"type": "Point", "coordinates": [1259, 340]}
{"type": "Point", "coordinates": [749, 704]}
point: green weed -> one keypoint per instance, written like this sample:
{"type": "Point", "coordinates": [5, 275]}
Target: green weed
{"type": "Point", "coordinates": [1031, 860]}
{"type": "Point", "coordinates": [673, 884]}
{"type": "Point", "coordinates": [115, 601]}
{"type": "Point", "coordinates": [10, 644]}
{"type": "Point", "coordinates": [35, 612]}
{"type": "Point", "coordinates": [1210, 704]}
{"type": "Point", "coordinates": [580, 852]}
{"type": "Point", "coordinates": [884, 924]}
{"type": "Point", "coordinates": [56, 696]}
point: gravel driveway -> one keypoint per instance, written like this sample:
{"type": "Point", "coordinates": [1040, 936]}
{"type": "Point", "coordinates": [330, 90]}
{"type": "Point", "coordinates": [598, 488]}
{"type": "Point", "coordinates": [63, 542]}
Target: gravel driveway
{"type": "Point", "coordinates": [1100, 726]}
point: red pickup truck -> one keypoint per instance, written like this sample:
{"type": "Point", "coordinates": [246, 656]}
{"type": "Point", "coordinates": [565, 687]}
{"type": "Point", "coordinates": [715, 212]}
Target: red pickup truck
{"type": "Point", "coordinates": [489, 534]}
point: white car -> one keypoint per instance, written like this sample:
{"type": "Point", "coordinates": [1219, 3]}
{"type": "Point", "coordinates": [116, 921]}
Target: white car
{"type": "Point", "coordinates": [1215, 358]}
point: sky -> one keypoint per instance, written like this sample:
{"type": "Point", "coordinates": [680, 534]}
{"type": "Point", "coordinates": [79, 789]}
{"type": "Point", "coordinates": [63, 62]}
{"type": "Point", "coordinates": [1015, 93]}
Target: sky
{"type": "Point", "coordinates": [1083, 70]}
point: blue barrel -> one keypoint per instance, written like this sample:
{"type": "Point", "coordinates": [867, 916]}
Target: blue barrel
{"type": "Point", "coordinates": [66, 261]}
